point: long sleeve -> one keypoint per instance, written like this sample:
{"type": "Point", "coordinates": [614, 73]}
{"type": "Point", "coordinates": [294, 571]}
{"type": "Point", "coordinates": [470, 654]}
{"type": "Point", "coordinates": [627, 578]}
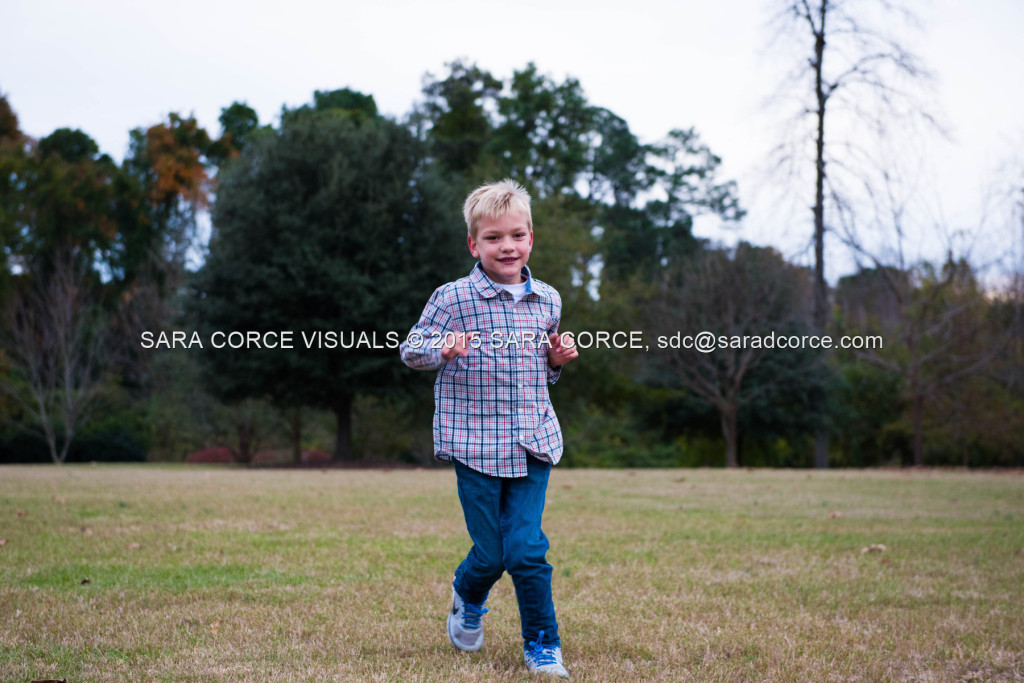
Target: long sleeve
{"type": "Point", "coordinates": [421, 350]}
{"type": "Point", "coordinates": [554, 374]}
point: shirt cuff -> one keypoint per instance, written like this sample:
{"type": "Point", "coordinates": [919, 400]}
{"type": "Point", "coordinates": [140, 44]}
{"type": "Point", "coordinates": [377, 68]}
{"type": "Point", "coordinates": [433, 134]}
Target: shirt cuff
{"type": "Point", "coordinates": [422, 359]}
{"type": "Point", "coordinates": [554, 374]}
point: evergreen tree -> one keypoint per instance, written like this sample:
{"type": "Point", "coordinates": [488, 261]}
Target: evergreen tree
{"type": "Point", "coordinates": [331, 223]}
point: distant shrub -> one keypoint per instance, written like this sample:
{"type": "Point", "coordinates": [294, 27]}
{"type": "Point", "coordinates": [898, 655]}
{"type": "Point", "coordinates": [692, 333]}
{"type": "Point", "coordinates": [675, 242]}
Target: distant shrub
{"type": "Point", "coordinates": [211, 456]}
{"type": "Point", "coordinates": [279, 456]}
{"type": "Point", "coordinates": [316, 458]}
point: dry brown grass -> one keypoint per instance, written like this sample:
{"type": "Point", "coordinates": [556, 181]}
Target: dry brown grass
{"type": "Point", "coordinates": [249, 575]}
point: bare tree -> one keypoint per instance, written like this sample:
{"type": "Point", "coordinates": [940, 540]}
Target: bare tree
{"type": "Point", "coordinates": [748, 292]}
{"type": "Point", "coordinates": [855, 83]}
{"type": "Point", "coordinates": [939, 342]}
{"type": "Point", "coordinates": [938, 337]}
{"type": "Point", "coordinates": [56, 343]}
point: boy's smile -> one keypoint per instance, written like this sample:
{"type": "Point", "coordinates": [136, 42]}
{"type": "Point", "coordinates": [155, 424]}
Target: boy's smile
{"type": "Point", "coordinates": [503, 246]}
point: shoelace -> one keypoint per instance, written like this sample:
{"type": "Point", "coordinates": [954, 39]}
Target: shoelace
{"type": "Point", "coordinates": [542, 656]}
{"type": "Point", "coordinates": [472, 614]}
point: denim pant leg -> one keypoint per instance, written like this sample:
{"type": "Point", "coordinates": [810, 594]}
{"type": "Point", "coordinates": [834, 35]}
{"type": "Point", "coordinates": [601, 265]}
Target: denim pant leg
{"type": "Point", "coordinates": [524, 548]}
{"type": "Point", "coordinates": [480, 495]}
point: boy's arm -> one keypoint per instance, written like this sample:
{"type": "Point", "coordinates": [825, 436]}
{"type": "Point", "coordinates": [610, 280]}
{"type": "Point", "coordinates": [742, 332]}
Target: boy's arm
{"type": "Point", "coordinates": [563, 347]}
{"type": "Point", "coordinates": [554, 368]}
{"type": "Point", "coordinates": [555, 363]}
{"type": "Point", "coordinates": [562, 351]}
{"type": "Point", "coordinates": [421, 350]}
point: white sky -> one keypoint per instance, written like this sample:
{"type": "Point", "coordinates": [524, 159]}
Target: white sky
{"type": "Point", "coordinates": [107, 66]}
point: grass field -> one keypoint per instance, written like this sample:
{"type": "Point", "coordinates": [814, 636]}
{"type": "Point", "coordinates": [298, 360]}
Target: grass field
{"type": "Point", "coordinates": [182, 574]}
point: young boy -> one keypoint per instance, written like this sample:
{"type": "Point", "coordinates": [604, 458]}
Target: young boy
{"type": "Point", "coordinates": [492, 337]}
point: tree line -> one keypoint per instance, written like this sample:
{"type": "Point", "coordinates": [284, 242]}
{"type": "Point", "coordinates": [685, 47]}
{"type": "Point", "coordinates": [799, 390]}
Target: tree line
{"type": "Point", "coordinates": [336, 217]}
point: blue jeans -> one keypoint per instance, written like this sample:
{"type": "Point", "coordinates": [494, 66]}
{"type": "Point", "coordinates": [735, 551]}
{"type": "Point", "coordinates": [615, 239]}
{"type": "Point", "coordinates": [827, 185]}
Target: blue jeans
{"type": "Point", "coordinates": [503, 519]}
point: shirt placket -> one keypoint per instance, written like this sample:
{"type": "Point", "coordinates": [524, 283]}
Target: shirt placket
{"type": "Point", "coordinates": [514, 361]}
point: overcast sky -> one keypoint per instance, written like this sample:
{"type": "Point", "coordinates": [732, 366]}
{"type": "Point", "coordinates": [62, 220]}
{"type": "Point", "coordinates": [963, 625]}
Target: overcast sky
{"type": "Point", "coordinates": [106, 66]}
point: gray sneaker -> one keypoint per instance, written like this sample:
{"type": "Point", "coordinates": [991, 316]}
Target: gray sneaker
{"type": "Point", "coordinates": [465, 629]}
{"type": "Point", "coordinates": [544, 659]}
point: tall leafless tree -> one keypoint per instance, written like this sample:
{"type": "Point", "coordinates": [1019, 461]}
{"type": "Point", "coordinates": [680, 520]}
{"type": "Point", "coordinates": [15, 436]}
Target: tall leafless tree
{"type": "Point", "coordinates": [56, 344]}
{"type": "Point", "coordinates": [852, 82]}
{"type": "Point", "coordinates": [938, 337]}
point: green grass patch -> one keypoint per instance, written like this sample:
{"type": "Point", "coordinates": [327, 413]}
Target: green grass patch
{"type": "Point", "coordinates": [204, 574]}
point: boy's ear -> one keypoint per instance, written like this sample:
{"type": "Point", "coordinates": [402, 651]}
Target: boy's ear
{"type": "Point", "coordinates": [472, 245]}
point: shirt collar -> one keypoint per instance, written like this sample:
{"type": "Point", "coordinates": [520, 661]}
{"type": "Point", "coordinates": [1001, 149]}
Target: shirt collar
{"type": "Point", "coordinates": [488, 289]}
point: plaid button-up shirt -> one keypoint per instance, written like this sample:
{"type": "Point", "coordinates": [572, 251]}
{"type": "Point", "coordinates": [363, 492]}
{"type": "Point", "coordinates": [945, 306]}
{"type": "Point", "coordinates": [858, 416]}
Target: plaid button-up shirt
{"type": "Point", "coordinates": [492, 407]}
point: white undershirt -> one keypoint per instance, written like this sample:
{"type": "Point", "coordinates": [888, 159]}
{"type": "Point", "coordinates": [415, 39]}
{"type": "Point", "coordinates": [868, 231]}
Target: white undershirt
{"type": "Point", "coordinates": [518, 291]}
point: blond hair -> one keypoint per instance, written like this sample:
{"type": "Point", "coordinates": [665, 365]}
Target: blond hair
{"type": "Point", "coordinates": [494, 200]}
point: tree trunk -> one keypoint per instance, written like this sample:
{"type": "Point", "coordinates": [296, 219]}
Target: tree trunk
{"type": "Point", "coordinates": [916, 401]}
{"type": "Point", "coordinates": [820, 289]}
{"type": "Point", "coordinates": [730, 430]}
{"type": "Point", "coordinates": [343, 444]}
{"type": "Point", "coordinates": [64, 450]}
{"type": "Point", "coordinates": [246, 434]}
{"type": "Point", "coordinates": [821, 448]}
{"type": "Point", "coordinates": [69, 433]}
{"type": "Point", "coordinates": [296, 434]}
{"type": "Point", "coordinates": [51, 443]}
{"type": "Point", "coordinates": [820, 293]}
{"type": "Point", "coordinates": [917, 417]}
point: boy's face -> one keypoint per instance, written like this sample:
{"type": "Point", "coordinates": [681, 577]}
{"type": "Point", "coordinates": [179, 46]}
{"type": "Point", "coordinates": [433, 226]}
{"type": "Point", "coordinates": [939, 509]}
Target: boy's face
{"type": "Point", "coordinates": [503, 246]}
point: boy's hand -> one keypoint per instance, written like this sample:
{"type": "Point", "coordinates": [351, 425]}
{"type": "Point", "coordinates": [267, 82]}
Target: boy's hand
{"type": "Point", "coordinates": [460, 345]}
{"type": "Point", "coordinates": [559, 354]}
